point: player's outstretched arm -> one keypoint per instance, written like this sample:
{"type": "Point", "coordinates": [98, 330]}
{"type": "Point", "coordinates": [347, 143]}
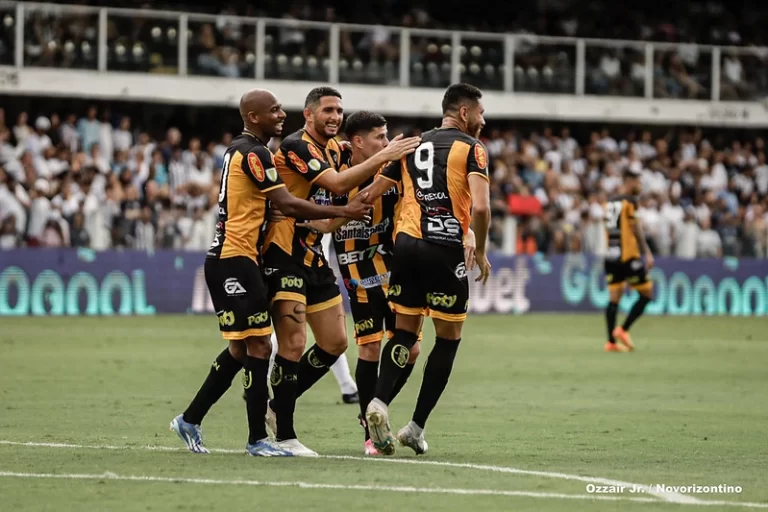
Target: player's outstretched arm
{"type": "Point", "coordinates": [292, 206]}
{"type": "Point", "coordinates": [343, 182]}
{"type": "Point", "coordinates": [376, 189]}
{"type": "Point", "coordinates": [323, 226]}
{"type": "Point", "coordinates": [480, 190]}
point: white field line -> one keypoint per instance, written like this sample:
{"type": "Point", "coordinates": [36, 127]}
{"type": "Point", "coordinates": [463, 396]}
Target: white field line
{"type": "Point", "coordinates": [670, 497]}
{"type": "Point", "coordinates": [310, 485]}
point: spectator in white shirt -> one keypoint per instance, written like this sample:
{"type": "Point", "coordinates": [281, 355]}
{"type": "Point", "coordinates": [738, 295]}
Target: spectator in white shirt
{"type": "Point", "coordinates": [69, 134]}
{"type": "Point", "coordinates": [22, 130]}
{"type": "Point", "coordinates": [38, 141]}
{"type": "Point", "coordinates": [708, 244]}
{"type": "Point", "coordinates": [105, 136]}
{"type": "Point", "coordinates": [687, 238]}
{"type": "Point", "coordinates": [122, 136]}
{"type": "Point", "coordinates": [89, 129]}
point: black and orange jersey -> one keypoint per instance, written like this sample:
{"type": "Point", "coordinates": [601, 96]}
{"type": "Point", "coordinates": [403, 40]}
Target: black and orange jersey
{"type": "Point", "coordinates": [620, 219]}
{"type": "Point", "coordinates": [363, 250]}
{"type": "Point", "coordinates": [247, 174]}
{"type": "Point", "coordinates": [436, 198]}
{"type": "Point", "coordinates": [300, 161]}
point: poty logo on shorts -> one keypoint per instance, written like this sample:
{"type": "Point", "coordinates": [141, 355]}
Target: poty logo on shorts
{"type": "Point", "coordinates": [258, 318]}
{"type": "Point", "coordinates": [394, 290]}
{"type": "Point", "coordinates": [461, 270]}
{"type": "Point", "coordinates": [291, 282]}
{"type": "Point", "coordinates": [440, 299]}
{"type": "Point", "coordinates": [226, 318]}
{"type": "Point", "coordinates": [362, 325]}
{"type": "Point", "coordinates": [233, 287]}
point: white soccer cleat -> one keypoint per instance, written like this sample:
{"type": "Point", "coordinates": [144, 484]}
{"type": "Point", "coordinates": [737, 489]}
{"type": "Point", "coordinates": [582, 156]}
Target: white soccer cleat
{"type": "Point", "coordinates": [270, 421]}
{"type": "Point", "coordinates": [377, 418]}
{"type": "Point", "coordinates": [295, 448]}
{"type": "Point", "coordinates": [412, 436]}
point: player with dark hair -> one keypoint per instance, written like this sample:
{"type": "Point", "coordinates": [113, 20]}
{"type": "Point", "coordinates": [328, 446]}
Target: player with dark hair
{"type": "Point", "coordinates": [445, 187]}
{"type": "Point", "coordinates": [623, 265]}
{"type": "Point", "coordinates": [248, 180]}
{"type": "Point", "coordinates": [302, 286]}
{"type": "Point", "coordinates": [364, 253]}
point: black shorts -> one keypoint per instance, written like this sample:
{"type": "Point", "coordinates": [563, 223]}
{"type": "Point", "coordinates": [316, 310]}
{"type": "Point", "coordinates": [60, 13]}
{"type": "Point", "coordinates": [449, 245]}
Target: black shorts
{"type": "Point", "coordinates": [239, 297]}
{"type": "Point", "coordinates": [373, 317]}
{"type": "Point", "coordinates": [288, 280]}
{"type": "Point", "coordinates": [631, 272]}
{"type": "Point", "coordinates": [427, 275]}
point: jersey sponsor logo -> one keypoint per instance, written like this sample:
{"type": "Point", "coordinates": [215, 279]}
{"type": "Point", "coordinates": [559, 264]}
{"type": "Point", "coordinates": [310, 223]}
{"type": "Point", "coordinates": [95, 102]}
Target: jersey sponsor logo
{"type": "Point", "coordinates": [268, 271]}
{"type": "Point", "coordinates": [256, 167]}
{"type": "Point", "coordinates": [315, 152]}
{"type": "Point", "coordinates": [358, 230]}
{"type": "Point", "coordinates": [430, 196]}
{"type": "Point", "coordinates": [363, 325]}
{"type": "Point", "coordinates": [300, 164]}
{"type": "Point", "coordinates": [445, 227]}
{"type": "Point", "coordinates": [480, 157]}
{"type": "Point", "coordinates": [375, 281]}
{"type": "Point", "coordinates": [233, 287]}
{"type": "Point", "coordinates": [461, 270]}
{"type": "Point", "coordinates": [348, 258]}
{"type": "Point", "coordinates": [272, 174]}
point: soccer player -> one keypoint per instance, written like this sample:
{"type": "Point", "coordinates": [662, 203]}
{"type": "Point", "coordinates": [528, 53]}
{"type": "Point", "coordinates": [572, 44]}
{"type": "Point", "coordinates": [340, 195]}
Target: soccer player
{"type": "Point", "coordinates": [623, 264]}
{"type": "Point", "coordinates": [445, 186]}
{"type": "Point", "coordinates": [364, 254]}
{"type": "Point", "coordinates": [301, 284]}
{"type": "Point", "coordinates": [233, 276]}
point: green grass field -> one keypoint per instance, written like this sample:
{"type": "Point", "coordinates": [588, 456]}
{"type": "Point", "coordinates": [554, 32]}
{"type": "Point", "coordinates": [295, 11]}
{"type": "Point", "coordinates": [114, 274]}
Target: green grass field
{"type": "Point", "coordinates": [534, 409]}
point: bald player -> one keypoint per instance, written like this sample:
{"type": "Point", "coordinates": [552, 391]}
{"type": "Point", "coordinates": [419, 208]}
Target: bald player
{"type": "Point", "coordinates": [233, 274]}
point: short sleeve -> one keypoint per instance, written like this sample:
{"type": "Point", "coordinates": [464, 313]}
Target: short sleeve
{"type": "Point", "coordinates": [393, 171]}
{"type": "Point", "coordinates": [477, 160]}
{"type": "Point", "coordinates": [259, 165]}
{"type": "Point", "coordinates": [305, 158]}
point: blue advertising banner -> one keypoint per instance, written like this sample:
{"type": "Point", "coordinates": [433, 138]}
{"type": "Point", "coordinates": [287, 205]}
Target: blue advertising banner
{"type": "Point", "coordinates": [41, 282]}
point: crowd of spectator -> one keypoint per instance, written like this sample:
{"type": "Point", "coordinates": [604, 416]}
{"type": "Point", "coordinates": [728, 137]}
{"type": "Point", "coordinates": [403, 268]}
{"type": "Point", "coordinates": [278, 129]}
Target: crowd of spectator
{"type": "Point", "coordinates": [97, 181]}
{"type": "Point", "coordinates": [225, 46]}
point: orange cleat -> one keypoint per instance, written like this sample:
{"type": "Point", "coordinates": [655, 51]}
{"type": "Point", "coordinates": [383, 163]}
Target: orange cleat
{"type": "Point", "coordinates": [614, 347]}
{"type": "Point", "coordinates": [623, 336]}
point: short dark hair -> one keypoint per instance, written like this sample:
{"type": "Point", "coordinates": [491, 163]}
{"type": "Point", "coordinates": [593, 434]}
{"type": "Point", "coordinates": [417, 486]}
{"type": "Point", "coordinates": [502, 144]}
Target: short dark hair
{"type": "Point", "coordinates": [314, 96]}
{"type": "Point", "coordinates": [363, 122]}
{"type": "Point", "coordinates": [457, 94]}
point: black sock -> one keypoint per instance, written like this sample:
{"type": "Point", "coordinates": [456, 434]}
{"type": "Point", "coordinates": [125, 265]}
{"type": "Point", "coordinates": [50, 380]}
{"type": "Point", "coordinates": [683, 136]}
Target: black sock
{"type": "Point", "coordinates": [284, 380]}
{"type": "Point", "coordinates": [401, 381]}
{"type": "Point", "coordinates": [313, 366]}
{"type": "Point", "coordinates": [610, 318]}
{"type": "Point", "coordinates": [436, 373]}
{"type": "Point", "coordinates": [219, 379]}
{"type": "Point", "coordinates": [394, 359]}
{"type": "Point", "coordinates": [636, 311]}
{"type": "Point", "coordinates": [256, 395]}
{"type": "Point", "coordinates": [366, 375]}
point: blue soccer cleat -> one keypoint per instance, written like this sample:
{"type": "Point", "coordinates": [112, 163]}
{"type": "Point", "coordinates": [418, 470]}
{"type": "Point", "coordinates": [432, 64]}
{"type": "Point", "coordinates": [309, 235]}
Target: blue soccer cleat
{"type": "Point", "coordinates": [192, 435]}
{"type": "Point", "coordinates": [266, 448]}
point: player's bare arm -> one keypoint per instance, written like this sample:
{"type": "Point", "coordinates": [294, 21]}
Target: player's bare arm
{"type": "Point", "coordinates": [292, 206]}
{"type": "Point", "coordinates": [480, 190]}
{"type": "Point", "coordinates": [341, 183]}
{"type": "Point", "coordinates": [470, 248]}
{"type": "Point", "coordinates": [324, 226]}
{"type": "Point", "coordinates": [643, 244]}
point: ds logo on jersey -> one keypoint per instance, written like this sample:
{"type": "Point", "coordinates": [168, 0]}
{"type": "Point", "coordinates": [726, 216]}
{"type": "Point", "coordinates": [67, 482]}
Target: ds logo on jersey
{"type": "Point", "coordinates": [297, 162]}
{"type": "Point", "coordinates": [480, 157]}
{"type": "Point", "coordinates": [256, 167]}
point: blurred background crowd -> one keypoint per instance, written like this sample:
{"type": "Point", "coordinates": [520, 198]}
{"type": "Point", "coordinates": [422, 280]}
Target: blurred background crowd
{"type": "Point", "coordinates": [97, 179]}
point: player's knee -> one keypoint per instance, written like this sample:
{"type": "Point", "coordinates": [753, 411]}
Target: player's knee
{"type": "Point", "coordinates": [258, 346]}
{"type": "Point", "coordinates": [335, 345]}
{"type": "Point", "coordinates": [291, 344]}
{"type": "Point", "coordinates": [415, 351]}
{"type": "Point", "coordinates": [448, 330]}
{"type": "Point", "coordinates": [370, 351]}
{"type": "Point", "coordinates": [237, 349]}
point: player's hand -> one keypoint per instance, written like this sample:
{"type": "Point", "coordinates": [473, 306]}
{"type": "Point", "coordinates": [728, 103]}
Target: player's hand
{"type": "Point", "coordinates": [399, 147]}
{"type": "Point", "coordinates": [485, 268]}
{"type": "Point", "coordinates": [649, 261]}
{"type": "Point", "coordinates": [275, 215]}
{"type": "Point", "coordinates": [358, 209]}
{"type": "Point", "coordinates": [469, 250]}
{"type": "Point", "coordinates": [321, 226]}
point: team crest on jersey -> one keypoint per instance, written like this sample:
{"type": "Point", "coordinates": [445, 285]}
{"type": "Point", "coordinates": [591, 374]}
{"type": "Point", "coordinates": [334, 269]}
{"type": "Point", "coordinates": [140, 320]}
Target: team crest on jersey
{"type": "Point", "coordinates": [297, 162]}
{"type": "Point", "coordinates": [256, 168]}
{"type": "Point", "coordinates": [480, 157]}
{"type": "Point", "coordinates": [315, 152]}
{"type": "Point", "coordinates": [272, 174]}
